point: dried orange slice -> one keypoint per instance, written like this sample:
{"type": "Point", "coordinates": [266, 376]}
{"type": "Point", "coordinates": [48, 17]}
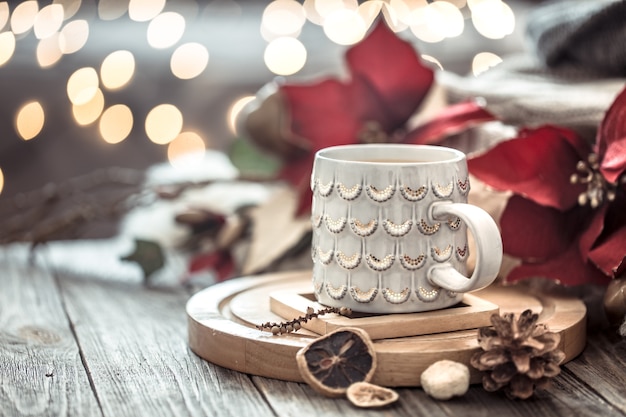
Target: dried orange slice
{"type": "Point", "coordinates": [367, 395]}
{"type": "Point", "coordinates": [331, 363]}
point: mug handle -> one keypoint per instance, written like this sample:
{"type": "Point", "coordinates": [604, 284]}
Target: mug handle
{"type": "Point", "coordinates": [488, 248]}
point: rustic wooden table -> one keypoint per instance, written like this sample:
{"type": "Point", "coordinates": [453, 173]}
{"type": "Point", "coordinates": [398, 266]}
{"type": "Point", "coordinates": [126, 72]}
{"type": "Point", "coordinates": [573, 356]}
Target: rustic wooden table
{"type": "Point", "coordinates": [79, 347]}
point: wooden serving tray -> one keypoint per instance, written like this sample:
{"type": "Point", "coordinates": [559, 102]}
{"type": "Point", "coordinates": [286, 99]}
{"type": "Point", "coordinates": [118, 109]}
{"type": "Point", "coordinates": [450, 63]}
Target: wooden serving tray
{"type": "Point", "coordinates": [221, 322]}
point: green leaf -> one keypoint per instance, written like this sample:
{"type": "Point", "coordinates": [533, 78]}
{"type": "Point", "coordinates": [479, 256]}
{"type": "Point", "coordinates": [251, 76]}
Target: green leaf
{"type": "Point", "coordinates": [252, 161]}
{"type": "Point", "coordinates": [148, 255]}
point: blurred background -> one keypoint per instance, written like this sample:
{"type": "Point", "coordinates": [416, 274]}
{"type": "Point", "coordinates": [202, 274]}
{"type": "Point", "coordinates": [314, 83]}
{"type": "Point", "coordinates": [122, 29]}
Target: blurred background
{"type": "Point", "coordinates": [93, 84]}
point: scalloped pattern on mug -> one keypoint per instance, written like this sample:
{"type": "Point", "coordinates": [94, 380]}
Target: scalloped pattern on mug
{"type": "Point", "coordinates": [361, 296]}
{"type": "Point", "coordinates": [464, 186]}
{"type": "Point", "coordinates": [348, 262]}
{"type": "Point", "coordinates": [412, 264]}
{"type": "Point", "coordinates": [414, 195]}
{"type": "Point", "coordinates": [462, 253]}
{"type": "Point", "coordinates": [443, 191]}
{"type": "Point", "coordinates": [363, 229]}
{"type": "Point", "coordinates": [380, 196]}
{"type": "Point", "coordinates": [336, 225]}
{"type": "Point", "coordinates": [454, 224]}
{"type": "Point", "coordinates": [336, 293]}
{"type": "Point", "coordinates": [317, 287]}
{"type": "Point", "coordinates": [397, 230]}
{"type": "Point", "coordinates": [349, 193]}
{"type": "Point", "coordinates": [316, 221]}
{"type": "Point", "coordinates": [441, 255]}
{"type": "Point", "coordinates": [324, 257]}
{"type": "Point", "coordinates": [324, 189]}
{"type": "Point", "coordinates": [427, 229]}
{"type": "Point", "coordinates": [379, 264]}
{"type": "Point", "coordinates": [396, 297]}
{"type": "Point", "coordinates": [427, 295]}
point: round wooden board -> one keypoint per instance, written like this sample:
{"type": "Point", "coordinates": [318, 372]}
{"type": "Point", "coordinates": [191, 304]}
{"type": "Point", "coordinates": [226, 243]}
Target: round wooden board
{"type": "Point", "coordinates": [225, 339]}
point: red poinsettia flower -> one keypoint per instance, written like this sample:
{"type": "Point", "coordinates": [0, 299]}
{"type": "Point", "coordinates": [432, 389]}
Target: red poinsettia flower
{"type": "Point", "coordinates": [566, 219]}
{"type": "Point", "coordinates": [386, 84]}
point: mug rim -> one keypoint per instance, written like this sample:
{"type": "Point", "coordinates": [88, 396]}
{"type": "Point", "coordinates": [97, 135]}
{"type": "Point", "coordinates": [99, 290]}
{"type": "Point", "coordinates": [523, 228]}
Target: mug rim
{"type": "Point", "coordinates": [397, 150]}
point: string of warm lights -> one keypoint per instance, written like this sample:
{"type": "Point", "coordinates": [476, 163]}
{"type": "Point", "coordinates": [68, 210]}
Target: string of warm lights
{"type": "Point", "coordinates": [61, 30]}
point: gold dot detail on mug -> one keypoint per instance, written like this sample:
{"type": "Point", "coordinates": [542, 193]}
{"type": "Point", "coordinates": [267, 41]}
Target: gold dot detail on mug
{"type": "Point", "coordinates": [335, 226]}
{"type": "Point", "coordinates": [443, 191]}
{"type": "Point", "coordinates": [441, 255]}
{"type": "Point", "coordinates": [427, 295]}
{"type": "Point", "coordinates": [397, 230]}
{"type": "Point", "coordinates": [348, 262]}
{"type": "Point", "coordinates": [380, 196]}
{"type": "Point", "coordinates": [412, 264]}
{"type": "Point", "coordinates": [413, 195]}
{"type": "Point", "coordinates": [464, 186]}
{"type": "Point", "coordinates": [426, 229]}
{"type": "Point", "coordinates": [325, 257]}
{"type": "Point", "coordinates": [349, 193]}
{"type": "Point", "coordinates": [336, 293]}
{"type": "Point", "coordinates": [361, 296]}
{"type": "Point", "coordinates": [379, 264]}
{"type": "Point", "coordinates": [396, 297]}
{"type": "Point", "coordinates": [454, 224]}
{"type": "Point", "coordinates": [361, 229]}
{"type": "Point", "coordinates": [461, 253]}
{"type": "Point", "coordinates": [324, 189]}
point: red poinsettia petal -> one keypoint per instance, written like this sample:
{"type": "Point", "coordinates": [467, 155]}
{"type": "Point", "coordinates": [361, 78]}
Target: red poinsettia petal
{"type": "Point", "coordinates": [592, 232]}
{"type": "Point", "coordinates": [534, 232]}
{"type": "Point", "coordinates": [394, 71]}
{"type": "Point", "coordinates": [219, 261]}
{"type": "Point", "coordinates": [609, 251]}
{"type": "Point", "coordinates": [568, 269]}
{"type": "Point", "coordinates": [537, 164]}
{"type": "Point", "coordinates": [322, 113]}
{"type": "Point", "coordinates": [611, 140]}
{"type": "Point", "coordinates": [450, 120]}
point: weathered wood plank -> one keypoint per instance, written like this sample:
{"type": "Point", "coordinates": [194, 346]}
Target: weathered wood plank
{"type": "Point", "coordinates": [40, 368]}
{"type": "Point", "coordinates": [135, 346]}
{"type": "Point", "coordinates": [602, 367]}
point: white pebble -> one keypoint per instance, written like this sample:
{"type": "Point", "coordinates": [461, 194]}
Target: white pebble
{"type": "Point", "coordinates": [445, 379]}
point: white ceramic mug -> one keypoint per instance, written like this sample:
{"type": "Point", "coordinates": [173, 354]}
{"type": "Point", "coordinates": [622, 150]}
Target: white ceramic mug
{"type": "Point", "coordinates": [390, 229]}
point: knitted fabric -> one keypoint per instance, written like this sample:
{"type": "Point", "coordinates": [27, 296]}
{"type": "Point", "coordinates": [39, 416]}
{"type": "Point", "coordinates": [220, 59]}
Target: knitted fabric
{"type": "Point", "coordinates": [591, 34]}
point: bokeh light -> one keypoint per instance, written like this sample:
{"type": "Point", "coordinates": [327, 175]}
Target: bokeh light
{"type": "Point", "coordinates": [116, 123]}
{"type": "Point", "coordinates": [4, 14]}
{"type": "Point", "coordinates": [311, 12]}
{"type": "Point", "coordinates": [111, 9]}
{"type": "Point", "coordinates": [29, 120]}
{"type": "Point", "coordinates": [117, 69]}
{"type": "Point", "coordinates": [89, 112]}
{"type": "Point", "coordinates": [344, 27]}
{"type": "Point", "coordinates": [187, 148]}
{"type": "Point", "coordinates": [164, 123]}
{"type": "Point", "coordinates": [48, 51]}
{"type": "Point", "coordinates": [82, 85]}
{"type": "Point", "coordinates": [70, 7]}
{"type": "Point", "coordinates": [165, 30]}
{"type": "Point", "coordinates": [73, 36]}
{"type": "Point", "coordinates": [326, 7]}
{"type": "Point", "coordinates": [369, 11]}
{"type": "Point", "coordinates": [285, 56]}
{"type": "Point", "coordinates": [1, 180]}
{"type": "Point", "coordinates": [493, 19]}
{"type": "Point", "coordinates": [48, 21]}
{"type": "Point", "coordinates": [484, 61]}
{"type": "Point", "coordinates": [234, 111]}
{"type": "Point", "coordinates": [23, 16]}
{"type": "Point", "coordinates": [283, 18]}
{"type": "Point", "coordinates": [189, 60]}
{"type": "Point", "coordinates": [7, 47]}
{"type": "Point", "coordinates": [144, 10]}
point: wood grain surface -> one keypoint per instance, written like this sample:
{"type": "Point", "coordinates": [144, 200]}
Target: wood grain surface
{"type": "Point", "coordinates": [71, 346]}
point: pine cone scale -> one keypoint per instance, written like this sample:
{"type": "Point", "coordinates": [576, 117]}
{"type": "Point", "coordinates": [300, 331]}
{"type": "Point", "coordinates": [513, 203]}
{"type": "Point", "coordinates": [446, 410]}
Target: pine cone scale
{"type": "Point", "coordinates": [518, 355]}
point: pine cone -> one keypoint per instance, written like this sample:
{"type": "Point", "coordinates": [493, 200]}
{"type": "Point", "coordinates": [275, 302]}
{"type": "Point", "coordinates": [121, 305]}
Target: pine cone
{"type": "Point", "coordinates": [517, 354]}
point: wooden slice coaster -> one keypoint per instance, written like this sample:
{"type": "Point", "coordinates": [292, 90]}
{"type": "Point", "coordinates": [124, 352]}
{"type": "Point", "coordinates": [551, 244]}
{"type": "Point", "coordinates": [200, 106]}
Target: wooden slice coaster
{"type": "Point", "coordinates": [232, 341]}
